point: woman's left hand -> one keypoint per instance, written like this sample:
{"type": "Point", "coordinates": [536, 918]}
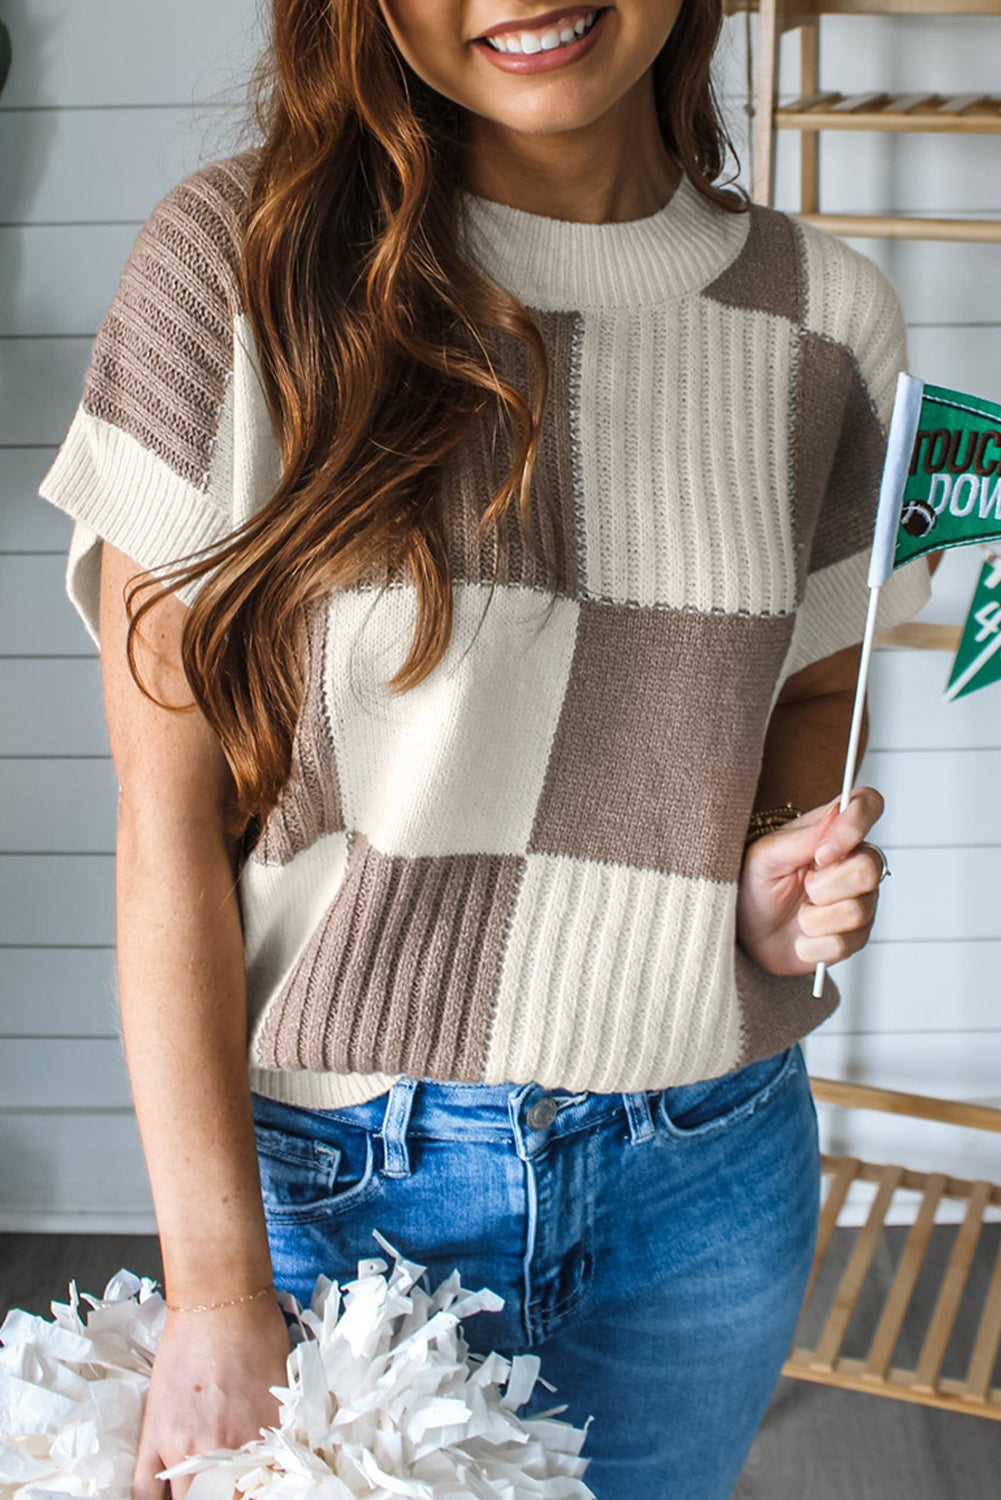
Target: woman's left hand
{"type": "Point", "coordinates": [807, 892]}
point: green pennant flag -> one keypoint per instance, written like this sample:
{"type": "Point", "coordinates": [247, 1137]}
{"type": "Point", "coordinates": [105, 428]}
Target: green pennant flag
{"type": "Point", "coordinates": [940, 487]}
{"type": "Point", "coordinates": [942, 476]}
{"type": "Point", "coordinates": [978, 659]}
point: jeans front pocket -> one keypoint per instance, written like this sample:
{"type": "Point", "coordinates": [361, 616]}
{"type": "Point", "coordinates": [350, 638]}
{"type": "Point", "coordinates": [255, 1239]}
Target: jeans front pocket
{"type": "Point", "coordinates": [691, 1110]}
{"type": "Point", "coordinates": [304, 1179]}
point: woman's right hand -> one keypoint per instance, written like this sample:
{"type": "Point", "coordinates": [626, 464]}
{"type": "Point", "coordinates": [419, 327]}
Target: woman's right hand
{"type": "Point", "coordinates": [209, 1388]}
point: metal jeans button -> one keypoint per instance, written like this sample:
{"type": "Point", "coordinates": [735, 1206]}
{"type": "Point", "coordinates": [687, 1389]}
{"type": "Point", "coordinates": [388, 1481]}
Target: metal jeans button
{"type": "Point", "coordinates": [542, 1113]}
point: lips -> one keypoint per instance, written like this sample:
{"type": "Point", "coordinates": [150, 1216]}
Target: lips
{"type": "Point", "coordinates": [542, 45]}
{"type": "Point", "coordinates": [568, 15]}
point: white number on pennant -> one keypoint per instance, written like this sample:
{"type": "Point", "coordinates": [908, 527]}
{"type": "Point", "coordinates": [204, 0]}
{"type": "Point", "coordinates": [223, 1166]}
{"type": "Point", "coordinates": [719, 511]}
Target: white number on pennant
{"type": "Point", "coordinates": [988, 617]}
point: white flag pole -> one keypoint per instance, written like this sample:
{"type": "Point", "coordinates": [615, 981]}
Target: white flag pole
{"type": "Point", "coordinates": [899, 447]}
{"type": "Point", "coordinates": [853, 738]}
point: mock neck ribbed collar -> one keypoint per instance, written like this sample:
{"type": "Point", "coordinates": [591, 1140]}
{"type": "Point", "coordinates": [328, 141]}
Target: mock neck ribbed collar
{"type": "Point", "coordinates": [559, 265]}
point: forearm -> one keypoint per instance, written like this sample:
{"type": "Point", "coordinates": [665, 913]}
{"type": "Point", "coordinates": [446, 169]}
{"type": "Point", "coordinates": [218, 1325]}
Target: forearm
{"type": "Point", "coordinates": [182, 995]}
{"type": "Point", "coordinates": [805, 748]}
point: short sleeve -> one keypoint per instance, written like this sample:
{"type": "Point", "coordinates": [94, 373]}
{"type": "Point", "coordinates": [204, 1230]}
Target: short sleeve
{"type": "Point", "coordinates": [849, 360]}
{"type": "Point", "coordinates": [147, 463]}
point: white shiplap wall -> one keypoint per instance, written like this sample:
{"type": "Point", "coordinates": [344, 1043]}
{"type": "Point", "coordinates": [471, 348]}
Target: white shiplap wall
{"type": "Point", "coordinates": [921, 1008]}
{"type": "Point", "coordinates": [108, 104]}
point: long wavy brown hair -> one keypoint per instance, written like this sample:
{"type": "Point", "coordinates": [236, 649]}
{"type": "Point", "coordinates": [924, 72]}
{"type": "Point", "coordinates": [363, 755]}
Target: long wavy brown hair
{"type": "Point", "coordinates": [374, 337]}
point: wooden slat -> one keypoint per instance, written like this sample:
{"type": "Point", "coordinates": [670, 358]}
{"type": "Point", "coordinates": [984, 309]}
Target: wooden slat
{"type": "Point", "coordinates": [951, 1293]}
{"type": "Point", "coordinates": [802, 10]}
{"type": "Point", "coordinates": [853, 104]}
{"type": "Point", "coordinates": [845, 1170]}
{"type": "Point", "coordinates": [885, 227]}
{"type": "Point", "coordinates": [867, 112]}
{"type": "Point", "coordinates": [957, 104]}
{"type": "Point", "coordinates": [809, 80]}
{"type": "Point", "coordinates": [915, 635]}
{"type": "Point", "coordinates": [766, 92]}
{"type": "Point", "coordinates": [808, 101]}
{"type": "Point", "coordinates": [893, 1101]}
{"type": "Point", "coordinates": [891, 1319]}
{"type": "Point", "coordinates": [950, 1395]}
{"type": "Point", "coordinates": [902, 104]}
{"type": "Point", "coordinates": [981, 1368]}
{"type": "Point", "coordinates": [913, 1184]}
{"type": "Point", "coordinates": [955, 1187]}
{"type": "Point", "coordinates": [834, 1330]}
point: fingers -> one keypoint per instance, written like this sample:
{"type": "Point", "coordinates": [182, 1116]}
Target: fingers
{"type": "Point", "coordinates": [791, 847]}
{"type": "Point", "coordinates": [839, 916]}
{"type": "Point", "coordinates": [820, 838]}
{"type": "Point", "coordinates": [832, 949]}
{"type": "Point", "coordinates": [856, 875]}
{"type": "Point", "coordinates": [842, 891]}
{"type": "Point", "coordinates": [850, 827]}
{"type": "Point", "coordinates": [823, 849]}
{"type": "Point", "coordinates": [833, 931]}
{"type": "Point", "coordinates": [145, 1485]}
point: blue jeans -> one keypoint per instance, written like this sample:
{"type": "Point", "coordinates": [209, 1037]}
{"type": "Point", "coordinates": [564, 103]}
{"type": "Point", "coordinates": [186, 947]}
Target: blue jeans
{"type": "Point", "coordinates": [652, 1248]}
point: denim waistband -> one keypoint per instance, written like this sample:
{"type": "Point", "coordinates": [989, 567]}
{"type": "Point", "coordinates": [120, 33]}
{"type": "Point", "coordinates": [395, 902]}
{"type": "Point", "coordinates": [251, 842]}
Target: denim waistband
{"type": "Point", "coordinates": [528, 1112]}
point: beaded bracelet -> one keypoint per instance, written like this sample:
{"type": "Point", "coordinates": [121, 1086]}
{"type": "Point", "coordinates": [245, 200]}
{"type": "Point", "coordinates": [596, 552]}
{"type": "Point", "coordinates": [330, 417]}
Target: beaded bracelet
{"type": "Point", "coordinates": [230, 1302]}
{"type": "Point", "coordinates": [768, 819]}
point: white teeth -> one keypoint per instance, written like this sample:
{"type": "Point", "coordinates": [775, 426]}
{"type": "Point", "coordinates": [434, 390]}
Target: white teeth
{"type": "Point", "coordinates": [546, 41]}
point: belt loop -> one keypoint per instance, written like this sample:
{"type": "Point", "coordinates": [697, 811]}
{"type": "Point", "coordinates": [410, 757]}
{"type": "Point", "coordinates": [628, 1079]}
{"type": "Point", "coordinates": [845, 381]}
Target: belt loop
{"type": "Point", "coordinates": [639, 1116]}
{"type": "Point", "coordinates": [394, 1127]}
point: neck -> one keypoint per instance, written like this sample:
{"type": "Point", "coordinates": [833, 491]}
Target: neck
{"type": "Point", "coordinates": [613, 169]}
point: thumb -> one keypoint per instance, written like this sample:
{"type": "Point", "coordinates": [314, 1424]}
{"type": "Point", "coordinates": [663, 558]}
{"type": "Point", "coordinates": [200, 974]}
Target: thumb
{"type": "Point", "coordinates": [146, 1485]}
{"type": "Point", "coordinates": [793, 846]}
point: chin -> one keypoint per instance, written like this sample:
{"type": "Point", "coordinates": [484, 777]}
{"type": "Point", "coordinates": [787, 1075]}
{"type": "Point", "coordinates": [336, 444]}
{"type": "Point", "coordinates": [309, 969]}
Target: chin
{"type": "Point", "coordinates": [541, 116]}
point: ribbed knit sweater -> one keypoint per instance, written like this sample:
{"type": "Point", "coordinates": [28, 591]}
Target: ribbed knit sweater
{"type": "Point", "coordinates": [526, 868]}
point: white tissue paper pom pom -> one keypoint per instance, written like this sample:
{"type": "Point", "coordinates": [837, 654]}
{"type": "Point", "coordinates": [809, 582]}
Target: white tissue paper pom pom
{"type": "Point", "coordinates": [384, 1398]}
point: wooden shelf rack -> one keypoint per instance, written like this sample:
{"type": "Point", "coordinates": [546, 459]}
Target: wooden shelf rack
{"type": "Point", "coordinates": [875, 1373]}
{"type": "Point", "coordinates": [817, 110]}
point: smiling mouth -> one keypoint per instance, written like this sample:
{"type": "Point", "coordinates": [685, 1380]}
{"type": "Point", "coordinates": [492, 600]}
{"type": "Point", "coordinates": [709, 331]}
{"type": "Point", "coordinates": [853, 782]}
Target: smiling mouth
{"type": "Point", "coordinates": [544, 38]}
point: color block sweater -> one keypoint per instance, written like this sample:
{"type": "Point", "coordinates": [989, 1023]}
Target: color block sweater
{"type": "Point", "coordinates": [525, 868]}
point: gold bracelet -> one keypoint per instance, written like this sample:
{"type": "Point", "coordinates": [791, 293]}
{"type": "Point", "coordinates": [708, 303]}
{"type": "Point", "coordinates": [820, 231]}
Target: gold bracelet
{"type": "Point", "coordinates": [768, 819]}
{"type": "Point", "coordinates": [230, 1302]}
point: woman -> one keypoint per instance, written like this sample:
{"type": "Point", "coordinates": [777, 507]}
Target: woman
{"type": "Point", "coordinates": [480, 919]}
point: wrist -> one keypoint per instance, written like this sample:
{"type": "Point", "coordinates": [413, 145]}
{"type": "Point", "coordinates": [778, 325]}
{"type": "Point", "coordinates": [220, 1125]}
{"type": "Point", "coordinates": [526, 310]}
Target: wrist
{"type": "Point", "coordinates": [766, 820]}
{"type": "Point", "coordinates": [239, 1302]}
{"type": "Point", "coordinates": [213, 1275]}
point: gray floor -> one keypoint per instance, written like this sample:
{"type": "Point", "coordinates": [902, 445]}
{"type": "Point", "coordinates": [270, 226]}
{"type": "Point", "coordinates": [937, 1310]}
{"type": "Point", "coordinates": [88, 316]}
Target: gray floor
{"type": "Point", "coordinates": [815, 1441]}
